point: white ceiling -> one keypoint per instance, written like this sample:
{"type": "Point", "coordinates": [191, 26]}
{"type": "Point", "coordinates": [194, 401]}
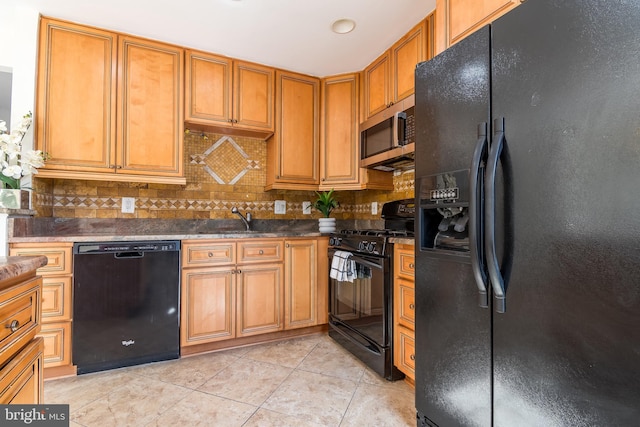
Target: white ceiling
{"type": "Point", "coordinates": [290, 34]}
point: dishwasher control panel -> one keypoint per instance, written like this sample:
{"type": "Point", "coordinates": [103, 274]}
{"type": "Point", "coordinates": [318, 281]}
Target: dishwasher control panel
{"type": "Point", "coordinates": [105, 247]}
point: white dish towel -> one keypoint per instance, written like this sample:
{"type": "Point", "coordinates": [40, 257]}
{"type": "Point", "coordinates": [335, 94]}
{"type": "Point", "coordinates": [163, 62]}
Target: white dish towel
{"type": "Point", "coordinates": [343, 268]}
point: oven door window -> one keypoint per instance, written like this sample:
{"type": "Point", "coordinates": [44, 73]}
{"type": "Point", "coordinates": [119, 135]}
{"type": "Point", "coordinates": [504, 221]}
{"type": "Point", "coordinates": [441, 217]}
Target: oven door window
{"type": "Point", "coordinates": [360, 304]}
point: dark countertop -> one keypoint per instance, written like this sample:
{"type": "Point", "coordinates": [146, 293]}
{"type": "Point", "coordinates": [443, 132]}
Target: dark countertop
{"type": "Point", "coordinates": [26, 230]}
{"type": "Point", "coordinates": [14, 266]}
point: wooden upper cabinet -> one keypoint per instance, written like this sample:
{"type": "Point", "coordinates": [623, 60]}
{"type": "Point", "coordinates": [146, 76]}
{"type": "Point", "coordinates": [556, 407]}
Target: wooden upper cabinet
{"type": "Point", "coordinates": [76, 97]}
{"type": "Point", "coordinates": [406, 53]}
{"type": "Point", "coordinates": [234, 95]}
{"type": "Point", "coordinates": [340, 151]}
{"type": "Point", "coordinates": [292, 152]}
{"type": "Point", "coordinates": [459, 18]}
{"type": "Point", "coordinates": [390, 78]}
{"type": "Point", "coordinates": [377, 90]}
{"type": "Point", "coordinates": [109, 106]}
{"type": "Point", "coordinates": [340, 139]}
{"type": "Point", "coordinates": [150, 118]}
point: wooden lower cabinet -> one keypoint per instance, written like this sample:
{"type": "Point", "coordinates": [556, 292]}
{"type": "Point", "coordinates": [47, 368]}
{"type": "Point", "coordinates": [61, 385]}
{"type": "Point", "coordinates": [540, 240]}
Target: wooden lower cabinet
{"type": "Point", "coordinates": [404, 310]}
{"type": "Point", "coordinates": [234, 289]}
{"type": "Point", "coordinates": [57, 302]}
{"type": "Point", "coordinates": [21, 351]}
{"type": "Point", "coordinates": [21, 380]}
{"type": "Point", "coordinates": [208, 301]}
{"type": "Point", "coordinates": [259, 299]}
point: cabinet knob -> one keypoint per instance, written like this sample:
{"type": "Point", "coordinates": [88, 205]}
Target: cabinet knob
{"type": "Point", "coordinates": [288, 245]}
{"type": "Point", "coordinates": [14, 325]}
{"type": "Point", "coordinates": [112, 166]}
{"type": "Point", "coordinates": [412, 265]}
{"type": "Point", "coordinates": [239, 271]}
{"type": "Point", "coordinates": [118, 167]}
{"type": "Point", "coordinates": [412, 357]}
{"type": "Point", "coordinates": [210, 254]}
{"type": "Point", "coordinates": [412, 306]}
{"type": "Point", "coordinates": [230, 120]}
{"type": "Point", "coordinates": [261, 252]}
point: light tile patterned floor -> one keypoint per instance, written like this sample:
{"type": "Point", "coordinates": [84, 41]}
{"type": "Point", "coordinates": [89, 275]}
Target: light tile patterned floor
{"type": "Point", "coordinates": [309, 381]}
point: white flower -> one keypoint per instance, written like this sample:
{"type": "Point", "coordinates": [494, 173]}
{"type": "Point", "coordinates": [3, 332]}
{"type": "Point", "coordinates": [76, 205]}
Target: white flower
{"type": "Point", "coordinates": [13, 171]}
{"type": "Point", "coordinates": [14, 161]}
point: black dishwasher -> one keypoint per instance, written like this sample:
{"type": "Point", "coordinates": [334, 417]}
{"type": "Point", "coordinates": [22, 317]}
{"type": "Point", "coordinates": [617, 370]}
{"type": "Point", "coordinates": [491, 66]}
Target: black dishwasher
{"type": "Point", "coordinates": [126, 303]}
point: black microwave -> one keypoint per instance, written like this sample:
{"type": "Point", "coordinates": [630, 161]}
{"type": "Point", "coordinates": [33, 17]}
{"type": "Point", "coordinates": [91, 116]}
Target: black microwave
{"type": "Point", "coordinates": [387, 139]}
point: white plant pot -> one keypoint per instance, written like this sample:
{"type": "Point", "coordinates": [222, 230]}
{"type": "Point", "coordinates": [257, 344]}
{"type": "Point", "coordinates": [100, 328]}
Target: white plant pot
{"type": "Point", "coordinates": [327, 225]}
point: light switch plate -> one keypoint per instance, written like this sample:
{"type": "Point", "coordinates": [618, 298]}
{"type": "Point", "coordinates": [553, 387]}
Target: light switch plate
{"type": "Point", "coordinates": [280, 207]}
{"type": "Point", "coordinates": [128, 204]}
{"type": "Point", "coordinates": [374, 208]}
{"type": "Point", "coordinates": [306, 208]}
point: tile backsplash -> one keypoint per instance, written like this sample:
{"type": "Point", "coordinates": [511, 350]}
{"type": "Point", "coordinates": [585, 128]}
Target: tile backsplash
{"type": "Point", "coordinates": [222, 171]}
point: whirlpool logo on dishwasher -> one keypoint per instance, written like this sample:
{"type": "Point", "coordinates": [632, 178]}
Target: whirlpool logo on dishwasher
{"type": "Point", "coordinates": [128, 343]}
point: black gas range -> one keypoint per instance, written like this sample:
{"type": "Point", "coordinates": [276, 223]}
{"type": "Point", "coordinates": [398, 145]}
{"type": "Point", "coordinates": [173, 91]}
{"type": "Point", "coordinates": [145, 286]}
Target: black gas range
{"type": "Point", "coordinates": [361, 302]}
{"type": "Point", "coordinates": [399, 222]}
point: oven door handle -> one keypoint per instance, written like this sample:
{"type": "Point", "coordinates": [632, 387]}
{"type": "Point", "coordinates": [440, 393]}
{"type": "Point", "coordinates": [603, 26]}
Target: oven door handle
{"type": "Point", "coordinates": [361, 260]}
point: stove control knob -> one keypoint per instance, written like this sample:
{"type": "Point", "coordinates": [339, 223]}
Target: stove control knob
{"type": "Point", "coordinates": [371, 247]}
{"type": "Point", "coordinates": [335, 241]}
{"type": "Point", "coordinates": [362, 246]}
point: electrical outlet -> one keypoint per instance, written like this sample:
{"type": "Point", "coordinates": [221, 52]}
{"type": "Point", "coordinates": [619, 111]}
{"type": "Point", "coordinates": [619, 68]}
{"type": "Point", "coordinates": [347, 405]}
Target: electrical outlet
{"type": "Point", "coordinates": [280, 207]}
{"type": "Point", "coordinates": [128, 204]}
{"type": "Point", "coordinates": [306, 208]}
{"type": "Point", "coordinates": [374, 208]}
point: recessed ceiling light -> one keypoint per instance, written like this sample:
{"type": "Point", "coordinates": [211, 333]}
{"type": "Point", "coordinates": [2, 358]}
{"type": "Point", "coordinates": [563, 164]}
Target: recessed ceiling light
{"type": "Point", "coordinates": [343, 26]}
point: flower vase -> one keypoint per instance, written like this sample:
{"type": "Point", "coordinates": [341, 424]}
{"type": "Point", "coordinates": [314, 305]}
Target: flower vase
{"type": "Point", "coordinates": [327, 225]}
{"type": "Point", "coordinates": [14, 199]}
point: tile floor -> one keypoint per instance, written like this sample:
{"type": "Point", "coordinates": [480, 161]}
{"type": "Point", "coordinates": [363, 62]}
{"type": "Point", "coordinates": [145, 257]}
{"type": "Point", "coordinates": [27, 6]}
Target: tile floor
{"type": "Point", "coordinates": [309, 381]}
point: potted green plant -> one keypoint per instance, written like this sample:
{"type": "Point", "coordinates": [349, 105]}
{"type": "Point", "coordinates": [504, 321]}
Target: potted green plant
{"type": "Point", "coordinates": [325, 203]}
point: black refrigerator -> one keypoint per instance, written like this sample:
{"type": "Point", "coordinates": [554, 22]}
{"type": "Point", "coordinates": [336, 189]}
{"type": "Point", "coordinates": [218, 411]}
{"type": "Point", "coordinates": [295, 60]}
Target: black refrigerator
{"type": "Point", "coordinates": [528, 221]}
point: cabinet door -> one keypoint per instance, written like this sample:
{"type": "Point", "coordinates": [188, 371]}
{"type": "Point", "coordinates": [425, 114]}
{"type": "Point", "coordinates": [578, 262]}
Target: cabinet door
{"type": "Point", "coordinates": [340, 155]}
{"type": "Point", "coordinates": [377, 90]}
{"type": "Point", "coordinates": [293, 151]}
{"type": "Point", "coordinates": [208, 82]}
{"type": "Point", "coordinates": [259, 299]}
{"type": "Point", "coordinates": [21, 380]}
{"type": "Point", "coordinates": [459, 18]}
{"type": "Point", "coordinates": [300, 283]}
{"type": "Point", "coordinates": [253, 96]}
{"type": "Point", "coordinates": [57, 343]}
{"type": "Point", "coordinates": [208, 305]}
{"type": "Point", "coordinates": [405, 54]}
{"type": "Point", "coordinates": [150, 117]}
{"type": "Point", "coordinates": [76, 101]}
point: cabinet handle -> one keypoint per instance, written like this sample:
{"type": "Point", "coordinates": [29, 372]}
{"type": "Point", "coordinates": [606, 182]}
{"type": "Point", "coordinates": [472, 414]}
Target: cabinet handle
{"type": "Point", "coordinates": [261, 252]}
{"type": "Point", "coordinates": [118, 167]}
{"type": "Point", "coordinates": [239, 271]}
{"type": "Point", "coordinates": [412, 357]}
{"type": "Point", "coordinates": [230, 120]}
{"type": "Point", "coordinates": [210, 254]}
{"type": "Point", "coordinates": [412, 306]}
{"type": "Point", "coordinates": [14, 325]}
{"type": "Point", "coordinates": [288, 245]}
{"type": "Point", "coordinates": [412, 265]}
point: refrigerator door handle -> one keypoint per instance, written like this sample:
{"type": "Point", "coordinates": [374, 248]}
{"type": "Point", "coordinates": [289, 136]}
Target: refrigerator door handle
{"type": "Point", "coordinates": [497, 281]}
{"type": "Point", "coordinates": [475, 214]}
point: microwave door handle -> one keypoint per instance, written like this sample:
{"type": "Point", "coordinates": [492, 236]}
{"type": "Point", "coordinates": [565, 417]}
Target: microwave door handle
{"type": "Point", "coordinates": [399, 124]}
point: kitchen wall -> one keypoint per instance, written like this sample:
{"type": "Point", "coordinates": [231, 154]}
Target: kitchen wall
{"type": "Point", "coordinates": [221, 171]}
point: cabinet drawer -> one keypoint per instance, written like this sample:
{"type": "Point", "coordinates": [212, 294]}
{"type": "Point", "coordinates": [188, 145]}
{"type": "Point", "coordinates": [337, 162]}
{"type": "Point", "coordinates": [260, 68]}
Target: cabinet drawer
{"type": "Point", "coordinates": [20, 316]}
{"type": "Point", "coordinates": [56, 298]}
{"type": "Point", "coordinates": [406, 304]}
{"type": "Point", "coordinates": [57, 343]}
{"type": "Point", "coordinates": [210, 253]}
{"type": "Point", "coordinates": [20, 379]}
{"type": "Point", "coordinates": [59, 258]}
{"type": "Point", "coordinates": [253, 251]}
{"type": "Point", "coordinates": [406, 351]}
{"type": "Point", "coordinates": [404, 262]}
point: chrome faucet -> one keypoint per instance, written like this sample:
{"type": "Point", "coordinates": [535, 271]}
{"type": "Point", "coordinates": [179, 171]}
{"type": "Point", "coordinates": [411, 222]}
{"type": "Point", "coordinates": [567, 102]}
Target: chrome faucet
{"type": "Point", "coordinates": [247, 220]}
